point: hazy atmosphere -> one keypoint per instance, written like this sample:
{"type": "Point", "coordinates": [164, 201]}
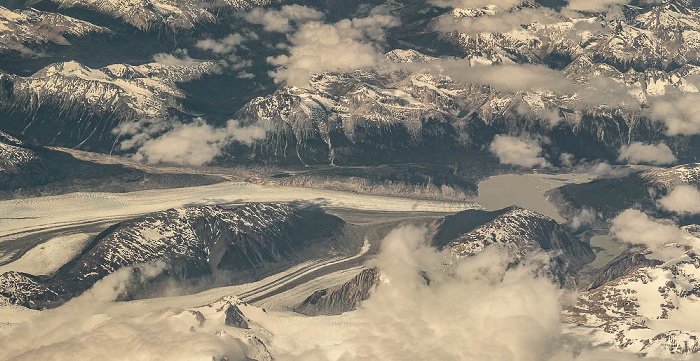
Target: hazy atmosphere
{"type": "Point", "coordinates": [337, 180]}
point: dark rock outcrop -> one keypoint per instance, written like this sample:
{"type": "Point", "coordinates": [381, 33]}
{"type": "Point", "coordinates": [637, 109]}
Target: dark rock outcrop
{"type": "Point", "coordinates": [235, 318]}
{"type": "Point", "coordinates": [26, 290]}
{"type": "Point", "coordinates": [341, 298]}
{"type": "Point", "coordinates": [27, 169]}
{"type": "Point", "coordinates": [516, 230]}
{"type": "Point", "coordinates": [620, 266]}
{"type": "Point", "coordinates": [186, 244]}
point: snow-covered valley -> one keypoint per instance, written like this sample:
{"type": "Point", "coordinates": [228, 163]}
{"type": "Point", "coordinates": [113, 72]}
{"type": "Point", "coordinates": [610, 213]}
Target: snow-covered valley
{"type": "Point", "coordinates": [349, 180]}
{"type": "Point", "coordinates": [281, 288]}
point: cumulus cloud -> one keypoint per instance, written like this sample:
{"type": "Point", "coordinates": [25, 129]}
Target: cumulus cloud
{"type": "Point", "coordinates": [346, 45]}
{"type": "Point", "coordinates": [661, 236]}
{"type": "Point", "coordinates": [567, 160]}
{"type": "Point", "coordinates": [683, 199]}
{"type": "Point", "coordinates": [83, 330]}
{"type": "Point", "coordinates": [161, 141]}
{"type": "Point", "coordinates": [585, 217]}
{"type": "Point", "coordinates": [680, 113]}
{"type": "Point", "coordinates": [602, 5]}
{"type": "Point", "coordinates": [135, 133]}
{"type": "Point", "coordinates": [597, 92]}
{"type": "Point", "coordinates": [227, 50]}
{"type": "Point", "coordinates": [635, 227]}
{"type": "Point", "coordinates": [477, 308]}
{"type": "Point", "coordinates": [603, 169]}
{"type": "Point", "coordinates": [196, 143]}
{"type": "Point", "coordinates": [224, 45]}
{"type": "Point", "coordinates": [429, 306]}
{"type": "Point", "coordinates": [281, 20]}
{"type": "Point", "coordinates": [638, 152]}
{"type": "Point", "coordinates": [518, 151]}
{"type": "Point", "coordinates": [602, 91]}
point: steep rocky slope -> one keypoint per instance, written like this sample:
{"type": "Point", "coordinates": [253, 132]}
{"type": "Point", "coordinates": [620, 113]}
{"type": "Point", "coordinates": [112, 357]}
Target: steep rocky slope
{"type": "Point", "coordinates": [71, 104]}
{"type": "Point", "coordinates": [519, 231]}
{"type": "Point", "coordinates": [181, 244]}
{"type": "Point", "coordinates": [161, 14]}
{"type": "Point", "coordinates": [30, 31]}
{"type": "Point", "coordinates": [622, 265]}
{"type": "Point", "coordinates": [342, 298]}
{"type": "Point", "coordinates": [30, 170]}
{"type": "Point", "coordinates": [650, 310]}
{"type": "Point", "coordinates": [404, 109]}
{"type": "Point", "coordinates": [610, 196]}
{"type": "Point", "coordinates": [661, 35]}
{"type": "Point", "coordinates": [354, 117]}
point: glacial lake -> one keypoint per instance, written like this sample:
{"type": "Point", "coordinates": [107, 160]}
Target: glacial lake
{"type": "Point", "coordinates": [526, 191]}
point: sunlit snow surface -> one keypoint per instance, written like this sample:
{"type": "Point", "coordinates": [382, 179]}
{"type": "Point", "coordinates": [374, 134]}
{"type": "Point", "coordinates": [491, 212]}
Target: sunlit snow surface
{"type": "Point", "coordinates": [485, 309]}
{"type": "Point", "coordinates": [54, 211]}
{"type": "Point", "coordinates": [48, 257]}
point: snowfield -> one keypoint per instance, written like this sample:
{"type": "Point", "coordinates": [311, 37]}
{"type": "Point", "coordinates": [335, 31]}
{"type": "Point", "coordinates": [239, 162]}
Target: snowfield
{"type": "Point", "coordinates": [24, 215]}
{"type": "Point", "coordinates": [46, 258]}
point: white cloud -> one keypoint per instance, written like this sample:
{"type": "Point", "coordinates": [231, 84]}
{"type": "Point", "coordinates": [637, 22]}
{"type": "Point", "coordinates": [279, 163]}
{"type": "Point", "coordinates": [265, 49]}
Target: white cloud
{"type": "Point", "coordinates": [227, 49]}
{"type": "Point", "coordinates": [661, 236]}
{"type": "Point", "coordinates": [477, 308]}
{"type": "Point", "coordinates": [82, 330]}
{"type": "Point", "coordinates": [602, 91]}
{"type": "Point", "coordinates": [281, 20]}
{"type": "Point", "coordinates": [682, 199]}
{"type": "Point", "coordinates": [195, 144]}
{"type": "Point", "coordinates": [585, 217]}
{"type": "Point", "coordinates": [510, 313]}
{"type": "Point", "coordinates": [680, 113]}
{"type": "Point", "coordinates": [429, 306]}
{"type": "Point", "coordinates": [602, 169]}
{"type": "Point", "coordinates": [637, 152]}
{"type": "Point", "coordinates": [515, 77]}
{"type": "Point", "coordinates": [346, 45]}
{"type": "Point", "coordinates": [594, 5]}
{"type": "Point", "coordinates": [518, 151]}
{"type": "Point", "coordinates": [602, 5]}
{"type": "Point", "coordinates": [135, 133]}
{"type": "Point", "coordinates": [551, 115]}
{"type": "Point", "coordinates": [179, 57]}
{"type": "Point", "coordinates": [224, 45]}
{"type": "Point", "coordinates": [635, 227]}
{"type": "Point", "coordinates": [499, 22]}
{"type": "Point", "coordinates": [599, 91]}
{"type": "Point", "coordinates": [567, 160]}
